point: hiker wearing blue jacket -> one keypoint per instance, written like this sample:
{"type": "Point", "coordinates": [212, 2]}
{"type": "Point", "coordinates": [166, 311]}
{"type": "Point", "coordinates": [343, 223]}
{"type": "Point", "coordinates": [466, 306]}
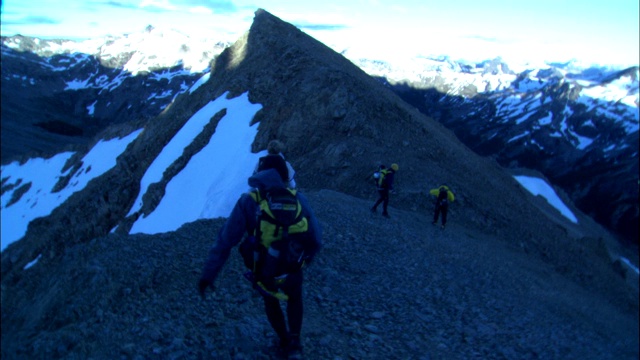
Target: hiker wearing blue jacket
{"type": "Point", "coordinates": [243, 219]}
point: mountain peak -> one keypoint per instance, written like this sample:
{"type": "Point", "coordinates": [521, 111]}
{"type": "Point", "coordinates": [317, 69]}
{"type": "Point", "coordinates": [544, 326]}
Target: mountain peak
{"type": "Point", "coordinates": [338, 124]}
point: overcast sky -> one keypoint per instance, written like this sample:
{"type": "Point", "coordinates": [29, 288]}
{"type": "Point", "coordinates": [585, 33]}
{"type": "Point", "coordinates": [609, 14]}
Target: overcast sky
{"type": "Point", "coordinates": [597, 31]}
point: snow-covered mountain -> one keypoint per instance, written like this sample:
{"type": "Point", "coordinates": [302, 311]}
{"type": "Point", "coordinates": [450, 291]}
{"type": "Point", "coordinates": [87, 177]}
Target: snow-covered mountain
{"type": "Point", "coordinates": [59, 92]}
{"type": "Point", "coordinates": [149, 50]}
{"type": "Point", "coordinates": [577, 125]}
{"type": "Point", "coordinates": [159, 174]}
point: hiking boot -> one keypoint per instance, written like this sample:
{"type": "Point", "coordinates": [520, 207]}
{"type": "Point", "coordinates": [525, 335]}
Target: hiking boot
{"type": "Point", "coordinates": [295, 349]}
{"type": "Point", "coordinates": [280, 347]}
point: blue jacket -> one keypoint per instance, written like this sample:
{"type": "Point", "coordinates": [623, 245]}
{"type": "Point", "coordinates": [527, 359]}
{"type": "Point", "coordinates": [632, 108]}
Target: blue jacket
{"type": "Point", "coordinates": [243, 219]}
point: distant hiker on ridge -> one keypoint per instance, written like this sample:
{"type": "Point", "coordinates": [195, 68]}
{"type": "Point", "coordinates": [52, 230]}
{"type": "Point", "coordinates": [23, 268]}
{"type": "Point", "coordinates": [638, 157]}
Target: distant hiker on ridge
{"type": "Point", "coordinates": [443, 197]}
{"type": "Point", "coordinates": [283, 236]}
{"type": "Point", "coordinates": [275, 160]}
{"type": "Point", "coordinates": [384, 185]}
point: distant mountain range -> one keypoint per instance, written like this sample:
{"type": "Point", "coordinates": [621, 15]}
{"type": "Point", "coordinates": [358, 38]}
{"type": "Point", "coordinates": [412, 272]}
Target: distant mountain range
{"type": "Point", "coordinates": [91, 151]}
{"type": "Point", "coordinates": [578, 126]}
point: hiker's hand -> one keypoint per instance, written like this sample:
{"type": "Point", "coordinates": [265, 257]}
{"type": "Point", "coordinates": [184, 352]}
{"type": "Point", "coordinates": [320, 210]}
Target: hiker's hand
{"type": "Point", "coordinates": [202, 287]}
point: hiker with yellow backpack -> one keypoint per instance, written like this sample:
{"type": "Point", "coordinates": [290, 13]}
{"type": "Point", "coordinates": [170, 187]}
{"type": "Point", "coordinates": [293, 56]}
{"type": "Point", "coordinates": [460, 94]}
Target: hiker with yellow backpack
{"type": "Point", "coordinates": [283, 237]}
{"type": "Point", "coordinates": [443, 196]}
{"type": "Point", "coordinates": [384, 183]}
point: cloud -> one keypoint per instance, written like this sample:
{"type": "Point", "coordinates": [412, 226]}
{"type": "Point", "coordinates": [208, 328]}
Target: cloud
{"type": "Point", "coordinates": [190, 6]}
{"type": "Point", "coordinates": [157, 5]}
{"type": "Point", "coordinates": [32, 20]}
{"type": "Point", "coordinates": [200, 10]}
{"type": "Point", "coordinates": [330, 27]}
{"type": "Point", "coordinates": [493, 39]}
{"type": "Point", "coordinates": [120, 4]}
{"type": "Point", "coordinates": [219, 7]}
{"type": "Point", "coordinates": [483, 38]}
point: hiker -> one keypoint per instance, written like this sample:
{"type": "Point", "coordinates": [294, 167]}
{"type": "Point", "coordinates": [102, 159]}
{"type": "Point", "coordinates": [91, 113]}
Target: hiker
{"type": "Point", "coordinates": [384, 185]}
{"type": "Point", "coordinates": [276, 160]}
{"type": "Point", "coordinates": [274, 283]}
{"type": "Point", "coordinates": [443, 197]}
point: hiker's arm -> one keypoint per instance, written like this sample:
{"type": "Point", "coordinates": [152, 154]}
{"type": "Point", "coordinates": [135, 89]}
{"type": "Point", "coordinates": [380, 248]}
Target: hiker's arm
{"type": "Point", "coordinates": [229, 236]}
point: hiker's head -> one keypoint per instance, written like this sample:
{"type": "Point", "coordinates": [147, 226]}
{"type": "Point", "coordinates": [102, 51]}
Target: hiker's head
{"type": "Point", "coordinates": [275, 147]}
{"type": "Point", "coordinates": [394, 167]}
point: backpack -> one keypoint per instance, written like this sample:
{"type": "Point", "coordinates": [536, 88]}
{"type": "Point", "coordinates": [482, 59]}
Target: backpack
{"type": "Point", "coordinates": [381, 178]}
{"type": "Point", "coordinates": [281, 237]}
{"type": "Point", "coordinates": [443, 197]}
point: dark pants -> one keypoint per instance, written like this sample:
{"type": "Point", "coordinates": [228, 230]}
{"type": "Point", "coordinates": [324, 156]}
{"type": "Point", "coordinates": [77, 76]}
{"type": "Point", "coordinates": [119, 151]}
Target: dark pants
{"type": "Point", "coordinates": [384, 199]}
{"type": "Point", "coordinates": [292, 287]}
{"type": "Point", "coordinates": [441, 208]}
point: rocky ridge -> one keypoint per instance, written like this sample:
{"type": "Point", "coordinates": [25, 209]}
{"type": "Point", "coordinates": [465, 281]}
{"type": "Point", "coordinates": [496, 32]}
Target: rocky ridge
{"type": "Point", "coordinates": [125, 78]}
{"type": "Point", "coordinates": [379, 289]}
{"type": "Point", "coordinates": [338, 123]}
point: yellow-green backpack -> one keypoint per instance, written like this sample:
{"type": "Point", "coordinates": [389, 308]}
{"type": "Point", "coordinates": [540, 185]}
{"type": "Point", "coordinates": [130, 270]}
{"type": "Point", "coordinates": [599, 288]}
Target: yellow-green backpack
{"type": "Point", "coordinates": [278, 243]}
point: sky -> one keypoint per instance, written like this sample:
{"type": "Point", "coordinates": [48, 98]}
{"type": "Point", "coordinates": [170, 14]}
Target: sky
{"type": "Point", "coordinates": [602, 32]}
{"type": "Point", "coordinates": [198, 191]}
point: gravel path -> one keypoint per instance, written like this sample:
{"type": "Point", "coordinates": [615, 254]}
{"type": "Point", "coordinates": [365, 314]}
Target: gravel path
{"type": "Point", "coordinates": [395, 288]}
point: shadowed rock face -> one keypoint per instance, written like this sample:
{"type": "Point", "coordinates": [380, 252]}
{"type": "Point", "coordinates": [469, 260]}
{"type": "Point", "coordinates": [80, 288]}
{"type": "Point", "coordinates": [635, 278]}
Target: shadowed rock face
{"type": "Point", "coordinates": [338, 124]}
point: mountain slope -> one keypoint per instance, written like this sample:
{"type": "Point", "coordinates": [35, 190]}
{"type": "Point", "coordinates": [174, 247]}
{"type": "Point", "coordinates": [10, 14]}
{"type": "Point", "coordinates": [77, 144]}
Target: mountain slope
{"type": "Point", "coordinates": [338, 123]}
{"type": "Point", "coordinates": [380, 289]}
{"type": "Point", "coordinates": [575, 124]}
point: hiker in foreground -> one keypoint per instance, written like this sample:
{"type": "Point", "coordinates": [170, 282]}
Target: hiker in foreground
{"type": "Point", "coordinates": [443, 197]}
{"type": "Point", "coordinates": [384, 185]}
{"type": "Point", "coordinates": [283, 237]}
{"type": "Point", "coordinates": [275, 160]}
